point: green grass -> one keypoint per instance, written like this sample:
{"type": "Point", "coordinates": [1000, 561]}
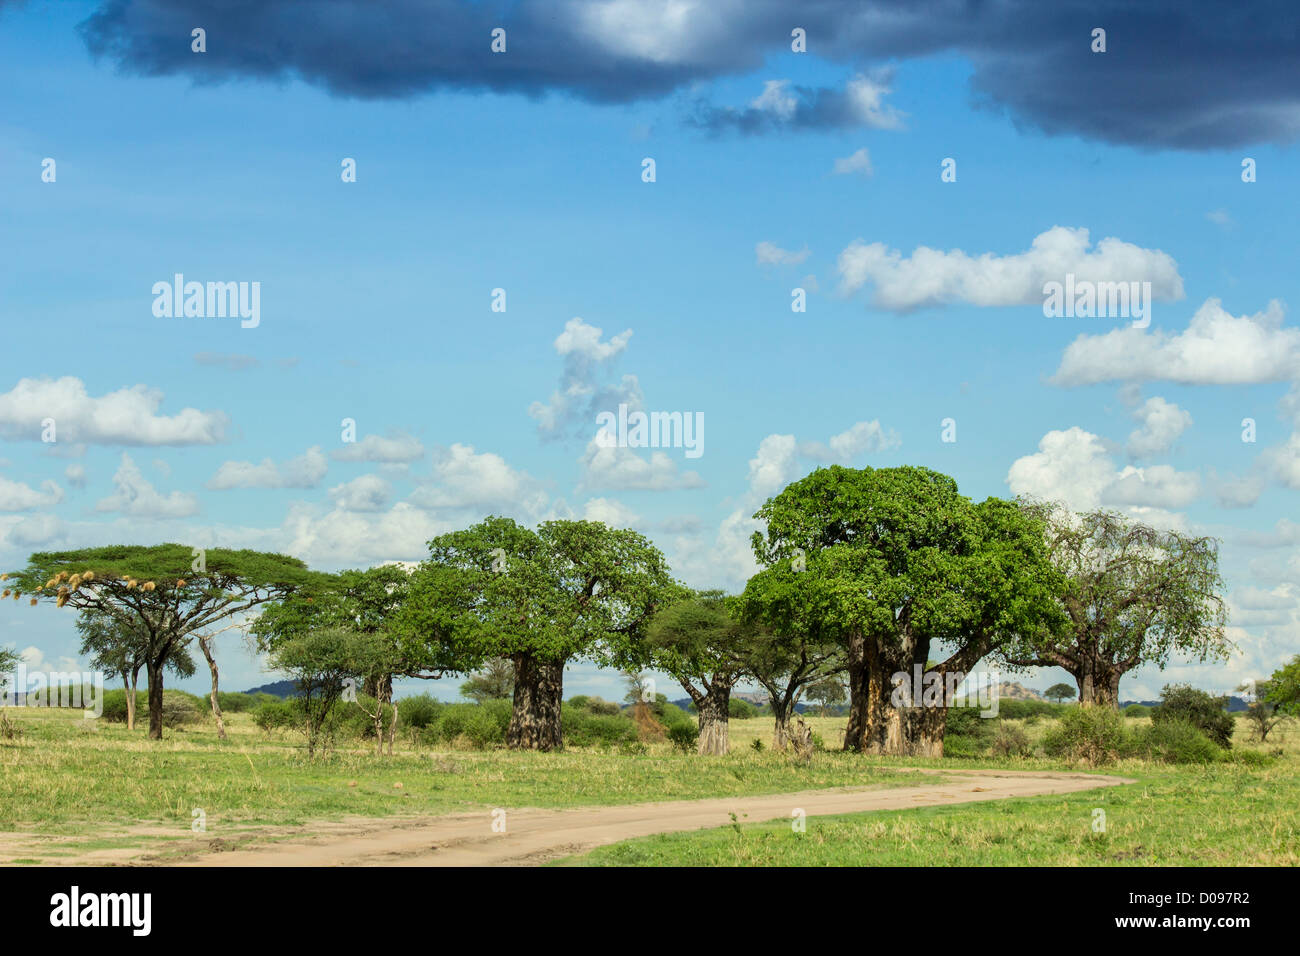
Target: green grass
{"type": "Point", "coordinates": [86, 781]}
{"type": "Point", "coordinates": [90, 785]}
{"type": "Point", "coordinates": [1224, 814]}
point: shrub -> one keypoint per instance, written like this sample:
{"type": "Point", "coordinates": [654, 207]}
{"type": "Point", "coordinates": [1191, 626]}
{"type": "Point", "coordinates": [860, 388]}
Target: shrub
{"type": "Point", "coordinates": [966, 733]}
{"type": "Point", "coordinates": [1023, 709]}
{"type": "Point", "coordinates": [178, 708]}
{"type": "Point", "coordinates": [956, 745]}
{"type": "Point", "coordinates": [480, 726]}
{"type": "Point", "coordinates": [1092, 735]}
{"type": "Point", "coordinates": [275, 715]}
{"type": "Point", "coordinates": [418, 712]}
{"type": "Point", "coordinates": [1249, 758]}
{"type": "Point", "coordinates": [1011, 741]}
{"type": "Point", "coordinates": [684, 737]}
{"type": "Point", "coordinates": [352, 718]}
{"type": "Point", "coordinates": [1204, 711]}
{"type": "Point", "coordinates": [739, 709]}
{"type": "Point", "coordinates": [670, 715]}
{"type": "Point", "coordinates": [583, 728]}
{"type": "Point", "coordinates": [240, 703]}
{"type": "Point", "coordinates": [1174, 740]}
{"type": "Point", "coordinates": [594, 705]}
{"type": "Point", "coordinates": [1137, 710]}
{"type": "Point", "coordinates": [967, 722]}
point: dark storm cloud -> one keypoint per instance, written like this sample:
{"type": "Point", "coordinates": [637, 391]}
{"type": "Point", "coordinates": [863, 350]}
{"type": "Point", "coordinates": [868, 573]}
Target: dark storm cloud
{"type": "Point", "coordinates": [1177, 73]}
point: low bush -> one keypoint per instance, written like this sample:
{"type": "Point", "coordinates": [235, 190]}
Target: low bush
{"type": "Point", "coordinates": [956, 745]}
{"type": "Point", "coordinates": [670, 715]}
{"type": "Point", "coordinates": [1022, 709]}
{"type": "Point", "coordinates": [179, 708]}
{"type": "Point", "coordinates": [1173, 740]}
{"type": "Point", "coordinates": [593, 705]}
{"type": "Point", "coordinates": [584, 728]}
{"type": "Point", "coordinates": [1009, 740]}
{"type": "Point", "coordinates": [1137, 710]}
{"type": "Point", "coordinates": [1204, 711]}
{"type": "Point", "coordinates": [241, 703]}
{"type": "Point", "coordinates": [966, 733]}
{"type": "Point", "coordinates": [1088, 734]}
{"type": "Point", "coordinates": [739, 709]}
{"type": "Point", "coordinates": [419, 711]}
{"type": "Point", "coordinates": [479, 726]}
{"type": "Point", "coordinates": [684, 737]}
{"type": "Point", "coordinates": [274, 715]}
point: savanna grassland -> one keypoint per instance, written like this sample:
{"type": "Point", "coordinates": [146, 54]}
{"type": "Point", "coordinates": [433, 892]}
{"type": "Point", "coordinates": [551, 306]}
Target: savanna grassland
{"type": "Point", "coordinates": [70, 786]}
{"type": "Point", "coordinates": [93, 784]}
{"type": "Point", "coordinates": [1239, 811]}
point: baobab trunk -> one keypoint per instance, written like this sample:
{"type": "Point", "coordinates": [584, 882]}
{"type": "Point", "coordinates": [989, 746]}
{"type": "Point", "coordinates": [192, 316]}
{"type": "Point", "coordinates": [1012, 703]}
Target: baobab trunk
{"type": "Point", "coordinates": [155, 674]}
{"type": "Point", "coordinates": [911, 730]}
{"type": "Point", "coordinates": [855, 733]}
{"type": "Point", "coordinates": [714, 738]}
{"type": "Point", "coordinates": [1099, 687]}
{"type": "Point", "coordinates": [216, 707]}
{"type": "Point", "coordinates": [535, 720]}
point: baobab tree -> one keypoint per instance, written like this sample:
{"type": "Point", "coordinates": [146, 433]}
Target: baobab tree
{"type": "Point", "coordinates": [570, 589]}
{"type": "Point", "coordinates": [893, 562]}
{"type": "Point", "coordinates": [1130, 595]}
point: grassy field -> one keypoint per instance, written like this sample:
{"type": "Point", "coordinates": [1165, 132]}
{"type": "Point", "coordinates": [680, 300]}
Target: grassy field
{"type": "Point", "coordinates": [1224, 814]}
{"type": "Point", "coordinates": [88, 784]}
{"type": "Point", "coordinates": [94, 784]}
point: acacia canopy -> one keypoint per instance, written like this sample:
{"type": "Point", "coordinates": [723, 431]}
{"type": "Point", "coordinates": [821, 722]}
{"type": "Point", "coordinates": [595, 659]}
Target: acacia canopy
{"type": "Point", "coordinates": [165, 592]}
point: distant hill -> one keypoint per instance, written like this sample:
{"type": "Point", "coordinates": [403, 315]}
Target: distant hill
{"type": "Point", "coordinates": [1236, 705]}
{"type": "Point", "coordinates": [281, 689]}
{"type": "Point", "coordinates": [1010, 690]}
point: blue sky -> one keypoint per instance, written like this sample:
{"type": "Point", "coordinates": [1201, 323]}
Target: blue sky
{"type": "Point", "coordinates": [376, 295]}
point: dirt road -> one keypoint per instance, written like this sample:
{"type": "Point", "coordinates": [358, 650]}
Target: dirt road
{"type": "Point", "coordinates": [537, 836]}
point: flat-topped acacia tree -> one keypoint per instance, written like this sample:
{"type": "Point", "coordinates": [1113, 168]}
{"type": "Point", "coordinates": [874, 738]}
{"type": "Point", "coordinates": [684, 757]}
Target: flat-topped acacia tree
{"type": "Point", "coordinates": [570, 589]}
{"type": "Point", "coordinates": [162, 591]}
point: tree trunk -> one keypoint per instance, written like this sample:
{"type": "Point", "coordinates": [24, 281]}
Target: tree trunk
{"type": "Point", "coordinates": [128, 681]}
{"type": "Point", "coordinates": [155, 675]}
{"type": "Point", "coordinates": [910, 730]}
{"type": "Point", "coordinates": [855, 733]}
{"type": "Point", "coordinates": [929, 740]}
{"type": "Point", "coordinates": [781, 730]}
{"type": "Point", "coordinates": [535, 720]}
{"type": "Point", "coordinates": [1098, 686]}
{"type": "Point", "coordinates": [714, 738]}
{"type": "Point", "coordinates": [392, 727]}
{"type": "Point", "coordinates": [212, 668]}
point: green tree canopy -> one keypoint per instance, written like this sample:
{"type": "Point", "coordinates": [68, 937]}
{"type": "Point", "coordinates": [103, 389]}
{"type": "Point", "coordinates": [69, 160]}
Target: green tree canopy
{"type": "Point", "coordinates": [570, 589]}
{"type": "Point", "coordinates": [1131, 595]}
{"type": "Point", "coordinates": [165, 592]}
{"type": "Point", "coordinates": [1059, 692]}
{"type": "Point", "coordinates": [891, 562]}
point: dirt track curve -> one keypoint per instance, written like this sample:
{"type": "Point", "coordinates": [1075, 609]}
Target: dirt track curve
{"type": "Point", "coordinates": [537, 836]}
